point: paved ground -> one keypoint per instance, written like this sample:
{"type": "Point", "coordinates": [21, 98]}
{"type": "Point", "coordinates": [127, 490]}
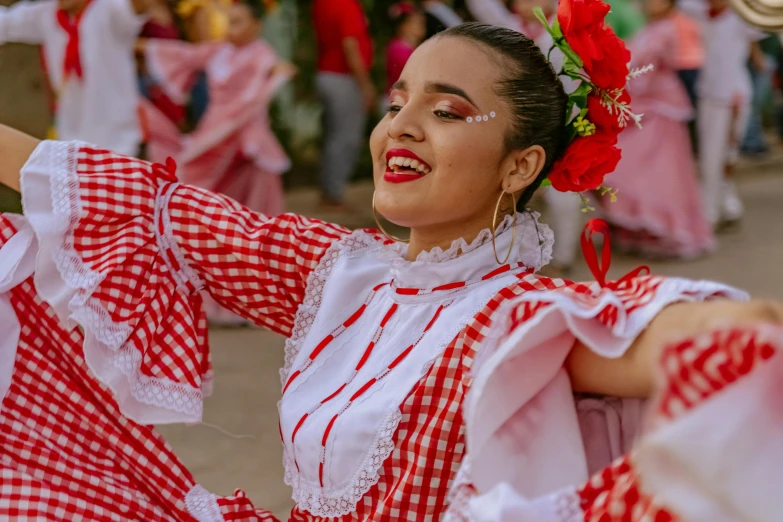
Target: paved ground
{"type": "Point", "coordinates": [247, 360]}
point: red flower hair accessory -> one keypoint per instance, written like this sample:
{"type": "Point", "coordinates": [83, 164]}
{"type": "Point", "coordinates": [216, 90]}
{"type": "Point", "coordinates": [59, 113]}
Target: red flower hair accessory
{"type": "Point", "coordinates": [599, 109]}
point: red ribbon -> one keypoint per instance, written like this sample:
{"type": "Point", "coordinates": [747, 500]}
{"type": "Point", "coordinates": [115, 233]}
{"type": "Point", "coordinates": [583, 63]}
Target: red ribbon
{"type": "Point", "coordinates": [599, 226]}
{"type": "Point", "coordinates": [72, 62]}
{"type": "Point", "coordinates": [167, 172]}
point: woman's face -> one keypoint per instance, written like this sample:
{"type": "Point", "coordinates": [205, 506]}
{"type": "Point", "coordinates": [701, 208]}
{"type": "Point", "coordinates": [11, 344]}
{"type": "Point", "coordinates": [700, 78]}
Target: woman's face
{"type": "Point", "coordinates": [455, 170]}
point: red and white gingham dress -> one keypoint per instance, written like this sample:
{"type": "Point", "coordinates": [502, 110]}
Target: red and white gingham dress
{"type": "Point", "coordinates": [124, 250]}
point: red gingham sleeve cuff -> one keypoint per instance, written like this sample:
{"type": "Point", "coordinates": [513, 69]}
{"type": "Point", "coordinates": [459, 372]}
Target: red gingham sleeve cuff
{"type": "Point", "coordinates": [103, 263]}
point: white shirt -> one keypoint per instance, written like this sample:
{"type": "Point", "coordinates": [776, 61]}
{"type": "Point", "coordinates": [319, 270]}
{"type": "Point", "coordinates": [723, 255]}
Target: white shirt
{"type": "Point", "coordinates": [727, 41]}
{"type": "Point", "coordinates": [101, 107]}
{"type": "Point", "coordinates": [444, 13]}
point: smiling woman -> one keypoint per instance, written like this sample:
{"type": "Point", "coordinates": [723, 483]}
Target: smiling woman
{"type": "Point", "coordinates": [386, 342]}
{"type": "Point", "coordinates": [461, 76]}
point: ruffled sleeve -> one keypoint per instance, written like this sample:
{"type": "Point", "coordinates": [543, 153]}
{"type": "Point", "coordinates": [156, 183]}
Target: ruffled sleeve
{"type": "Point", "coordinates": [17, 258]}
{"type": "Point", "coordinates": [520, 412]}
{"type": "Point", "coordinates": [124, 251]}
{"type": "Point", "coordinates": [692, 465]}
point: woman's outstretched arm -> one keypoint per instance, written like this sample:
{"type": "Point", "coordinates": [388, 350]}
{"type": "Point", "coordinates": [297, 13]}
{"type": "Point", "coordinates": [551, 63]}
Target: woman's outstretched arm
{"type": "Point", "coordinates": [635, 373]}
{"type": "Point", "coordinates": [15, 149]}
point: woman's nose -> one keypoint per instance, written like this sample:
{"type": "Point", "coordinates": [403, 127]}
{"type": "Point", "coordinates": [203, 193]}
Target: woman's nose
{"type": "Point", "coordinates": [406, 125]}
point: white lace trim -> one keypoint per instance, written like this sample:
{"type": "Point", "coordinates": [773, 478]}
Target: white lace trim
{"type": "Point", "coordinates": [202, 505]}
{"type": "Point", "coordinates": [328, 504]}
{"type": "Point", "coordinates": [460, 495]}
{"type": "Point", "coordinates": [560, 506]}
{"type": "Point", "coordinates": [534, 245]}
{"type": "Point", "coordinates": [166, 243]}
{"type": "Point", "coordinates": [115, 364]}
{"type": "Point", "coordinates": [305, 314]}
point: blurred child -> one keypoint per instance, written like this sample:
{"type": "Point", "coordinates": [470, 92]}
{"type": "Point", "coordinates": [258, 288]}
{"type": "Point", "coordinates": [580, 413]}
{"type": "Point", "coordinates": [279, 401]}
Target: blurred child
{"type": "Point", "coordinates": [233, 149]}
{"type": "Point", "coordinates": [409, 30]}
{"type": "Point", "coordinates": [658, 211]}
{"type": "Point", "coordinates": [88, 51]}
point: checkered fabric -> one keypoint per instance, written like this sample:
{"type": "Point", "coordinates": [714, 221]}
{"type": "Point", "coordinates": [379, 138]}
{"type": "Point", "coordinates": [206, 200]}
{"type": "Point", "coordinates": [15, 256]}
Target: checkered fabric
{"type": "Point", "coordinates": [255, 266]}
{"type": "Point", "coordinates": [695, 371]}
{"type": "Point", "coordinates": [66, 451]}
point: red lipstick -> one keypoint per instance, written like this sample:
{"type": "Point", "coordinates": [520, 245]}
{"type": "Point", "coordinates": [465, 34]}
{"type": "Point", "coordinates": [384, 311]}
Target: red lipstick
{"type": "Point", "coordinates": [400, 174]}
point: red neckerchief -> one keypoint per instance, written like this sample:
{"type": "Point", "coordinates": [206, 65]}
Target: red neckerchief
{"type": "Point", "coordinates": [72, 62]}
{"type": "Point", "coordinates": [716, 12]}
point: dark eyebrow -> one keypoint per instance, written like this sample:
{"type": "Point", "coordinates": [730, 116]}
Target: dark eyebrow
{"type": "Point", "coordinates": [399, 86]}
{"type": "Point", "coordinates": [445, 88]}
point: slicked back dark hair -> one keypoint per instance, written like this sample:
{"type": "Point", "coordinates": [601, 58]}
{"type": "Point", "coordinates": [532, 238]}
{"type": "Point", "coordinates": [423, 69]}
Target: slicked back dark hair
{"type": "Point", "coordinates": [530, 88]}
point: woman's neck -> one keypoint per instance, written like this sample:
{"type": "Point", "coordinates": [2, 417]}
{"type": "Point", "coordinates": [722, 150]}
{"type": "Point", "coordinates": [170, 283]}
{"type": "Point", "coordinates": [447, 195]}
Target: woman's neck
{"type": "Point", "coordinates": [424, 239]}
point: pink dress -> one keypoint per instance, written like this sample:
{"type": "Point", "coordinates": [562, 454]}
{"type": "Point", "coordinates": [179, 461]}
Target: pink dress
{"type": "Point", "coordinates": [658, 210]}
{"type": "Point", "coordinates": [471, 370]}
{"type": "Point", "coordinates": [233, 151]}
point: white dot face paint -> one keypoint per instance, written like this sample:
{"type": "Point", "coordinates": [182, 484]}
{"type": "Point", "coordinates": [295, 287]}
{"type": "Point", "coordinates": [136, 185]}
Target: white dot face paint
{"type": "Point", "coordinates": [481, 118]}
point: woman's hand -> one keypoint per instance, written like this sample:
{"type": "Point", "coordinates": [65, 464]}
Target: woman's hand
{"type": "Point", "coordinates": [15, 148]}
{"type": "Point", "coordinates": [634, 374]}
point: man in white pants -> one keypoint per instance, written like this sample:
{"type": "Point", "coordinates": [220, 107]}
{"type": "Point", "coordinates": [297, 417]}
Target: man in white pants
{"type": "Point", "coordinates": [725, 92]}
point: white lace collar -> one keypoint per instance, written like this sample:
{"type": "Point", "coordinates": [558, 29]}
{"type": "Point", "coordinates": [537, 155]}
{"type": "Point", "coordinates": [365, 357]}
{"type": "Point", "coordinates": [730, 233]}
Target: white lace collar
{"type": "Point", "coordinates": [465, 262]}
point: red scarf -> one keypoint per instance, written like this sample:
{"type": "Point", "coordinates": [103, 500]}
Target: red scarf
{"type": "Point", "coordinates": [72, 62]}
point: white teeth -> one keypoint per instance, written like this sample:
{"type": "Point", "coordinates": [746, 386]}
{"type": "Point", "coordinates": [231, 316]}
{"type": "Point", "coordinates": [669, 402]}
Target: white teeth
{"type": "Point", "coordinates": [396, 163]}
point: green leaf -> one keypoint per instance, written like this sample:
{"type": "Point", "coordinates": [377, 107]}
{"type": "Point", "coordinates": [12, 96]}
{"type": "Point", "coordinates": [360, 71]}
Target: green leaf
{"type": "Point", "coordinates": [539, 13]}
{"type": "Point", "coordinates": [579, 96]}
{"type": "Point", "coordinates": [557, 32]}
{"type": "Point", "coordinates": [546, 183]}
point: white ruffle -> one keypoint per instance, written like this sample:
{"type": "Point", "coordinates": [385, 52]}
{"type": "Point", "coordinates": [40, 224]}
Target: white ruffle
{"type": "Point", "coordinates": [202, 505]}
{"type": "Point", "coordinates": [357, 241]}
{"type": "Point", "coordinates": [339, 503]}
{"type": "Point", "coordinates": [17, 259]}
{"type": "Point", "coordinates": [520, 387]}
{"type": "Point", "coordinates": [50, 192]}
{"type": "Point", "coordinates": [533, 244]}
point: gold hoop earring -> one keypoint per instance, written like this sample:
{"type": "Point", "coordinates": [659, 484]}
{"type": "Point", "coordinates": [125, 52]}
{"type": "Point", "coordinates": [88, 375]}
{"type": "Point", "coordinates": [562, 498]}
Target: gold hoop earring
{"type": "Point", "coordinates": [380, 227]}
{"type": "Point", "coordinates": [495, 224]}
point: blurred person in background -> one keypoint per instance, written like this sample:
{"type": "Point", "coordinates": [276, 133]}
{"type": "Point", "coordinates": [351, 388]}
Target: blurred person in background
{"type": "Point", "coordinates": [88, 51]}
{"type": "Point", "coordinates": [762, 67]}
{"type": "Point", "coordinates": [160, 24]}
{"type": "Point", "coordinates": [725, 93]}
{"type": "Point", "coordinates": [440, 16]}
{"type": "Point", "coordinates": [410, 29]}
{"type": "Point", "coordinates": [346, 90]}
{"type": "Point", "coordinates": [658, 213]}
{"type": "Point", "coordinates": [689, 57]}
{"type": "Point", "coordinates": [565, 208]}
{"type": "Point", "coordinates": [233, 150]}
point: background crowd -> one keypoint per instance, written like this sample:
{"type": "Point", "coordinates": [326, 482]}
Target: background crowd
{"type": "Point", "coordinates": [234, 91]}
